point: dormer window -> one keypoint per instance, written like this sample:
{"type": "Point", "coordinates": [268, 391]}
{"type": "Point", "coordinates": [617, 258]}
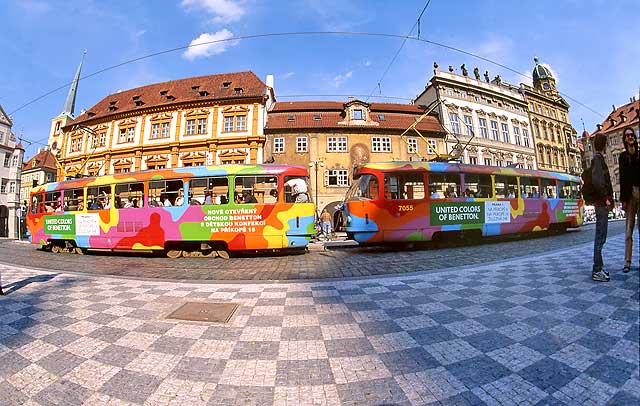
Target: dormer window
{"type": "Point", "coordinates": [357, 114]}
{"type": "Point", "coordinates": [90, 114]}
{"type": "Point", "coordinates": [225, 85]}
{"type": "Point", "coordinates": [203, 93]}
{"type": "Point", "coordinates": [134, 98]}
{"type": "Point", "coordinates": [195, 87]}
{"type": "Point", "coordinates": [163, 92]}
{"type": "Point", "coordinates": [291, 117]}
{"type": "Point", "coordinates": [139, 103]}
{"type": "Point", "coordinates": [317, 117]}
{"type": "Point", "coordinates": [381, 117]}
{"type": "Point", "coordinates": [237, 90]}
{"type": "Point", "coordinates": [170, 98]}
{"type": "Point", "coordinates": [113, 103]}
{"type": "Point", "coordinates": [113, 108]}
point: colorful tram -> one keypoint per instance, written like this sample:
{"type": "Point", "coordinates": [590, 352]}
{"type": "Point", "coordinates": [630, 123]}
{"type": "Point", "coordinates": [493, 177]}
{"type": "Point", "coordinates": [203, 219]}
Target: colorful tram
{"type": "Point", "coordinates": [408, 202]}
{"type": "Point", "coordinates": [191, 211]}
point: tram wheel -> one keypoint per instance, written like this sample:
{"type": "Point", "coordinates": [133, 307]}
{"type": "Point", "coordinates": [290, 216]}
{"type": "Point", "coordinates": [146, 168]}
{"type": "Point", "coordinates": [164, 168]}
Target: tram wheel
{"type": "Point", "coordinates": [210, 253]}
{"type": "Point", "coordinates": [173, 254]}
{"type": "Point", "coordinates": [79, 251]}
{"type": "Point", "coordinates": [56, 249]}
{"type": "Point", "coordinates": [223, 254]}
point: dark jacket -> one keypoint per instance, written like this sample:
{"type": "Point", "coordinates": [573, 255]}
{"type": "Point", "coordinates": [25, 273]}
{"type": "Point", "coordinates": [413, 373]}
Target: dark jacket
{"type": "Point", "coordinates": [601, 179]}
{"type": "Point", "coordinates": [629, 173]}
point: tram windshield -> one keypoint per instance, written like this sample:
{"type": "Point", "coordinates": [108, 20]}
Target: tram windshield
{"type": "Point", "coordinates": [365, 187]}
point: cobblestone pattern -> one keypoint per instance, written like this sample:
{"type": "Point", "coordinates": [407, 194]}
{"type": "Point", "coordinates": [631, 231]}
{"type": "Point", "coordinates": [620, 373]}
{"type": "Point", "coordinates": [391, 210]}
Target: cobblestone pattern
{"type": "Point", "coordinates": [530, 331]}
{"type": "Point", "coordinates": [333, 263]}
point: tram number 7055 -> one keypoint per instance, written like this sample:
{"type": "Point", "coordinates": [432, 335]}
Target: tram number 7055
{"type": "Point", "coordinates": [405, 207]}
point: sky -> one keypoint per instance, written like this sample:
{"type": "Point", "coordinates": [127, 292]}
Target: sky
{"type": "Point", "coordinates": [591, 45]}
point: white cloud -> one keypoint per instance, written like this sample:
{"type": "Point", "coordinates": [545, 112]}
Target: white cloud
{"type": "Point", "coordinates": [287, 75]}
{"type": "Point", "coordinates": [224, 11]}
{"type": "Point", "coordinates": [341, 79]}
{"type": "Point", "coordinates": [205, 45]}
{"type": "Point", "coordinates": [498, 49]}
{"type": "Point", "coordinates": [140, 33]}
{"type": "Point", "coordinates": [367, 63]}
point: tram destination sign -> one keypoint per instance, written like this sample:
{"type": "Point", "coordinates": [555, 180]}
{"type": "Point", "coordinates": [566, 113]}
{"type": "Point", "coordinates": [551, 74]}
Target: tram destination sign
{"type": "Point", "coordinates": [450, 213]}
{"type": "Point", "coordinates": [63, 224]}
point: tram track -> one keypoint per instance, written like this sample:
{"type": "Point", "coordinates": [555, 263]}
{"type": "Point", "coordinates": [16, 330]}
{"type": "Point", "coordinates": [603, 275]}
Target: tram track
{"type": "Point", "coordinates": [316, 264]}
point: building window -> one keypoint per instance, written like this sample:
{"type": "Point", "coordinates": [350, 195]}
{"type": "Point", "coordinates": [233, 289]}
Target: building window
{"type": "Point", "coordinates": [15, 160]}
{"type": "Point", "coordinates": [202, 126]}
{"type": "Point", "coordinates": [99, 140]}
{"type": "Point", "coordinates": [126, 134]}
{"type": "Point", "coordinates": [487, 161]}
{"type": "Point", "coordinates": [191, 127]}
{"type": "Point", "coordinates": [12, 187]}
{"type": "Point", "coordinates": [483, 128]}
{"type": "Point", "coordinates": [498, 162]}
{"type": "Point", "coordinates": [494, 130]}
{"type": "Point", "coordinates": [196, 126]}
{"type": "Point", "coordinates": [431, 147]}
{"type": "Point", "coordinates": [468, 123]}
{"type": "Point", "coordinates": [7, 160]}
{"type": "Point", "coordinates": [516, 133]}
{"type": "Point", "coordinates": [412, 145]}
{"type": "Point", "coordinates": [76, 144]}
{"type": "Point", "coordinates": [336, 177]}
{"type": "Point", "coordinates": [473, 160]}
{"type": "Point", "coordinates": [301, 144]}
{"type": "Point", "coordinates": [358, 114]}
{"type": "Point", "coordinates": [455, 125]}
{"type": "Point", "coordinates": [536, 130]}
{"type": "Point", "coordinates": [235, 123]}
{"type": "Point", "coordinates": [278, 145]}
{"type": "Point", "coordinates": [337, 144]}
{"type": "Point", "coordinates": [544, 131]}
{"type": "Point", "coordinates": [505, 132]}
{"type": "Point", "coordinates": [160, 130]}
{"type": "Point", "coordinates": [381, 144]}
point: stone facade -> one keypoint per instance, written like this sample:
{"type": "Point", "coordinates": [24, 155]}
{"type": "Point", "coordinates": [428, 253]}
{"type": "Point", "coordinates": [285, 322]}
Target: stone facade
{"type": "Point", "coordinates": [11, 154]}
{"type": "Point", "coordinates": [487, 122]}
{"type": "Point", "coordinates": [207, 120]}
{"type": "Point", "coordinates": [555, 138]}
{"type": "Point", "coordinates": [333, 137]}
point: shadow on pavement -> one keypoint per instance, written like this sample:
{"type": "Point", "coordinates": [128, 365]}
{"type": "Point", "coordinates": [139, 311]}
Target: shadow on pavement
{"type": "Point", "coordinates": [12, 287]}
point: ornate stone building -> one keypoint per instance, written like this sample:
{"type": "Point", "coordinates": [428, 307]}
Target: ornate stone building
{"type": "Point", "coordinates": [486, 121]}
{"type": "Point", "coordinates": [11, 154]}
{"type": "Point", "coordinates": [554, 137]}
{"type": "Point", "coordinates": [206, 120]}
{"type": "Point", "coordinates": [620, 118]}
{"type": "Point", "coordinates": [332, 137]}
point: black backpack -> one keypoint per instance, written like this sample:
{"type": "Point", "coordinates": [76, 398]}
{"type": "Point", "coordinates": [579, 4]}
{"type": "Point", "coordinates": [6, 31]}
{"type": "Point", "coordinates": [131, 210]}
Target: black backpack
{"type": "Point", "coordinates": [588, 191]}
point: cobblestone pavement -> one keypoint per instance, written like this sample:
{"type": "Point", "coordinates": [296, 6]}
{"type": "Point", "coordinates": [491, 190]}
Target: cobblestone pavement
{"type": "Point", "coordinates": [313, 265]}
{"type": "Point", "coordinates": [531, 330]}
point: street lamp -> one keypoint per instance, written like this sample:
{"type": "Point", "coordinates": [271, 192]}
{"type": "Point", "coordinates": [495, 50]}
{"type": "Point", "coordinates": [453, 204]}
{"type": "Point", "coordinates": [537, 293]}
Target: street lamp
{"type": "Point", "coordinates": [315, 164]}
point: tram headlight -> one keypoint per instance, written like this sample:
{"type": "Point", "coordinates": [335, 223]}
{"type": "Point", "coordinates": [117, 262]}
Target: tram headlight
{"type": "Point", "coordinates": [348, 219]}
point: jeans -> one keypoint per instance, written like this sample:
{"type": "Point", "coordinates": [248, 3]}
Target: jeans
{"type": "Point", "coordinates": [602, 222]}
{"type": "Point", "coordinates": [326, 227]}
{"type": "Point", "coordinates": [632, 210]}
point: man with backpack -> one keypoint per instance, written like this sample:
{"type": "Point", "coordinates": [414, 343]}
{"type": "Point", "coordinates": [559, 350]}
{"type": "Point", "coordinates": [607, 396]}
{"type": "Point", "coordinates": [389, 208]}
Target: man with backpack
{"type": "Point", "coordinates": [599, 193]}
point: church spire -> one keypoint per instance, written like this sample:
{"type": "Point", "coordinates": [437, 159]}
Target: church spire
{"type": "Point", "coordinates": [70, 103]}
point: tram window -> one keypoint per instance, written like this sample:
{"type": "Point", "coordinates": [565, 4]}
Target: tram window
{"type": "Point", "coordinates": [255, 189]}
{"type": "Point", "coordinates": [36, 204]}
{"type": "Point", "coordinates": [364, 188]}
{"type": "Point", "coordinates": [164, 192]}
{"type": "Point", "coordinates": [564, 190]}
{"type": "Point", "coordinates": [98, 197]}
{"type": "Point", "coordinates": [208, 191]}
{"type": "Point", "coordinates": [290, 195]}
{"type": "Point", "coordinates": [477, 185]}
{"type": "Point", "coordinates": [506, 186]}
{"type": "Point", "coordinates": [444, 185]}
{"type": "Point", "coordinates": [549, 189]}
{"type": "Point", "coordinates": [408, 185]}
{"type": "Point", "coordinates": [575, 190]}
{"type": "Point", "coordinates": [52, 202]}
{"type": "Point", "coordinates": [129, 195]}
{"type": "Point", "coordinates": [74, 199]}
{"type": "Point", "coordinates": [529, 188]}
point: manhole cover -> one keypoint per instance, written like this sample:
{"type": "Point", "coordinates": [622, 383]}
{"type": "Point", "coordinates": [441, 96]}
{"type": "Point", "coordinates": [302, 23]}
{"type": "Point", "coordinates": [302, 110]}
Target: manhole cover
{"type": "Point", "coordinates": [211, 312]}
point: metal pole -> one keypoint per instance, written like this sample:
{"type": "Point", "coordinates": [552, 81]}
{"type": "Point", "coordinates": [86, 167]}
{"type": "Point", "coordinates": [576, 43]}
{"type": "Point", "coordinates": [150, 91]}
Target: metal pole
{"type": "Point", "coordinates": [316, 164]}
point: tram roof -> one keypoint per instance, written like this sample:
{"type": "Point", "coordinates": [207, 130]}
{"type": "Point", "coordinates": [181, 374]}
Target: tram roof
{"type": "Point", "coordinates": [456, 167]}
{"type": "Point", "coordinates": [176, 173]}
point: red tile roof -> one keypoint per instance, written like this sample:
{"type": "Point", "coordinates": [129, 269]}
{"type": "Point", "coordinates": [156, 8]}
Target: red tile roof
{"type": "Point", "coordinates": [43, 159]}
{"type": "Point", "coordinates": [630, 110]}
{"type": "Point", "coordinates": [217, 87]}
{"type": "Point", "coordinates": [396, 117]}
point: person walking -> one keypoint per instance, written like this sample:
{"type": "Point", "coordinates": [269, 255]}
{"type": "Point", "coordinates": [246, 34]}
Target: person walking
{"type": "Point", "coordinates": [629, 168]}
{"type": "Point", "coordinates": [603, 205]}
{"type": "Point", "coordinates": [325, 218]}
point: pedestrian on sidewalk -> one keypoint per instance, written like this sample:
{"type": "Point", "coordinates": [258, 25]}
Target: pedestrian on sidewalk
{"type": "Point", "coordinates": [603, 205]}
{"type": "Point", "coordinates": [325, 217]}
{"type": "Point", "coordinates": [629, 167]}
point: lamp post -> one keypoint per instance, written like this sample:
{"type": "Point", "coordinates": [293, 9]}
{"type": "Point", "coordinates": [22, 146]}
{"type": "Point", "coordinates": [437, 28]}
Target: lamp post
{"type": "Point", "coordinates": [315, 164]}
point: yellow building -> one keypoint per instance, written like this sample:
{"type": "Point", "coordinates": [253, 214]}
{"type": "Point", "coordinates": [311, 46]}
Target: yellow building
{"type": "Point", "coordinates": [554, 137]}
{"type": "Point", "coordinates": [333, 137]}
{"type": "Point", "coordinates": [205, 120]}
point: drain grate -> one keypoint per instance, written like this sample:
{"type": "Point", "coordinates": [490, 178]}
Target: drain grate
{"type": "Point", "coordinates": [210, 312]}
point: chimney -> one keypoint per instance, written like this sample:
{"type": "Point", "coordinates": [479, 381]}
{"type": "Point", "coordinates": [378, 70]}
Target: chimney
{"type": "Point", "coordinates": [614, 107]}
{"type": "Point", "coordinates": [270, 81]}
{"type": "Point", "coordinates": [632, 99]}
